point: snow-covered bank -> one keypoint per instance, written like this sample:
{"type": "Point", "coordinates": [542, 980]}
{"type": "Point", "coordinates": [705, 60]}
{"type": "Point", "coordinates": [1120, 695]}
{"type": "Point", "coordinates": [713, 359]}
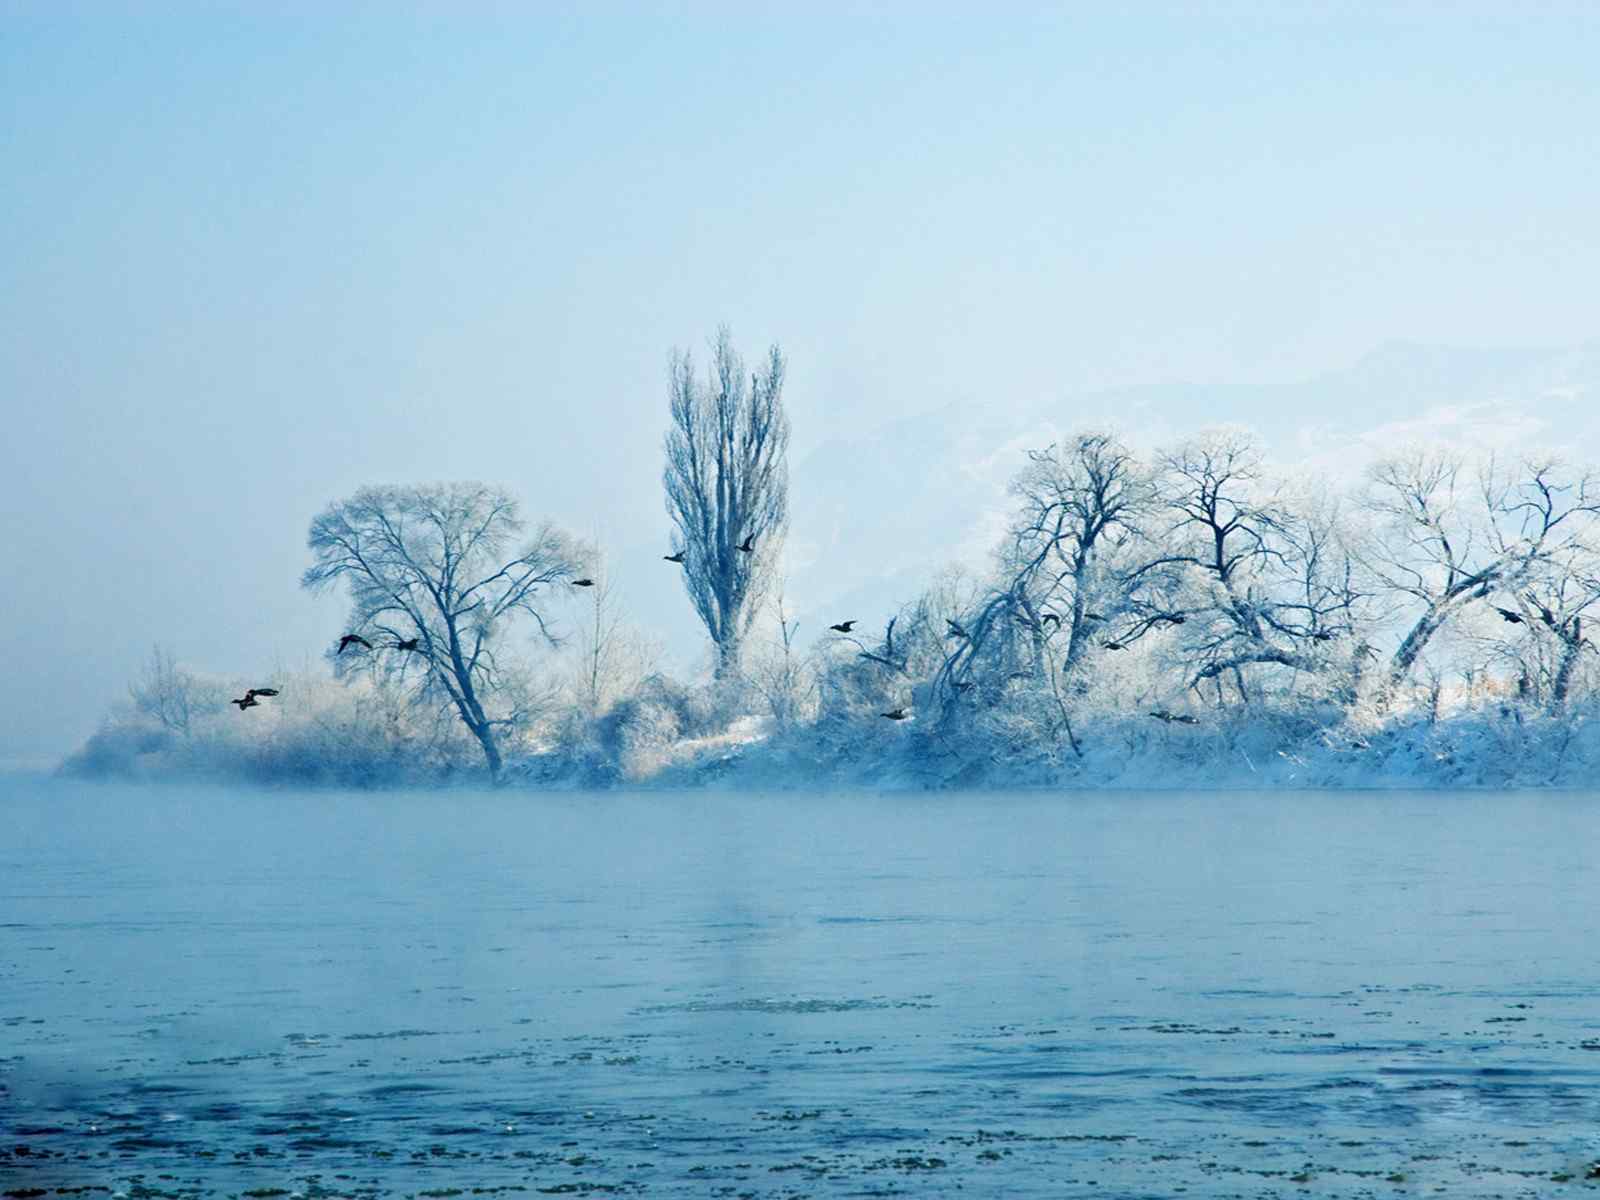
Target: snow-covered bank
{"type": "Point", "coordinates": [663, 743]}
{"type": "Point", "coordinates": [1487, 749]}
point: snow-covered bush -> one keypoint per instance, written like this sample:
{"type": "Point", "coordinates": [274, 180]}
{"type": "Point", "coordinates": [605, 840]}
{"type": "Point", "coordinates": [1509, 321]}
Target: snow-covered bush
{"type": "Point", "coordinates": [315, 730]}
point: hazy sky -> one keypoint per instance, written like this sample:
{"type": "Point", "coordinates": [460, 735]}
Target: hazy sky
{"type": "Point", "coordinates": [252, 257]}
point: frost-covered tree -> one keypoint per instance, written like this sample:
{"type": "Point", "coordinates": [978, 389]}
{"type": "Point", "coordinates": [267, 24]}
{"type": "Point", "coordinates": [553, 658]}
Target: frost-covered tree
{"type": "Point", "coordinates": [1445, 544]}
{"type": "Point", "coordinates": [1080, 504]}
{"type": "Point", "coordinates": [437, 576]}
{"type": "Point", "coordinates": [727, 488]}
{"type": "Point", "coordinates": [612, 657]}
{"type": "Point", "coordinates": [784, 678]}
{"type": "Point", "coordinates": [171, 695]}
{"type": "Point", "coordinates": [1559, 603]}
{"type": "Point", "coordinates": [1249, 580]}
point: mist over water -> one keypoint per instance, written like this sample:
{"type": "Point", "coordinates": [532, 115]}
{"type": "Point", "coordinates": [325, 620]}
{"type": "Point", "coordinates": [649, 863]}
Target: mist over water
{"type": "Point", "coordinates": [218, 992]}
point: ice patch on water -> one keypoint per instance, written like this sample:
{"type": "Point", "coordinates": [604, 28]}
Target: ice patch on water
{"type": "Point", "coordinates": [782, 1006]}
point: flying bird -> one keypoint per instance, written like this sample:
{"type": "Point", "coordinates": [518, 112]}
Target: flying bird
{"type": "Point", "coordinates": [1508, 616]}
{"type": "Point", "coordinates": [254, 692]}
{"type": "Point", "coordinates": [675, 558]}
{"type": "Point", "coordinates": [955, 630]}
{"type": "Point", "coordinates": [1050, 617]}
{"type": "Point", "coordinates": [249, 701]}
{"type": "Point", "coordinates": [583, 583]}
{"type": "Point", "coordinates": [896, 714]}
{"type": "Point", "coordinates": [350, 639]}
{"type": "Point", "coordinates": [406, 644]}
{"type": "Point", "coordinates": [1323, 635]}
{"type": "Point", "coordinates": [1093, 616]}
{"type": "Point", "coordinates": [749, 544]}
{"type": "Point", "coordinates": [843, 627]}
{"type": "Point", "coordinates": [1162, 714]}
{"type": "Point", "coordinates": [1115, 645]}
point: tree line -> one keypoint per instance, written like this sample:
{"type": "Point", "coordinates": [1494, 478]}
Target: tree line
{"type": "Point", "coordinates": [1175, 585]}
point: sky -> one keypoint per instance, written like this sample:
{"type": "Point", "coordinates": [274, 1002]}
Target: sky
{"type": "Point", "coordinates": [253, 257]}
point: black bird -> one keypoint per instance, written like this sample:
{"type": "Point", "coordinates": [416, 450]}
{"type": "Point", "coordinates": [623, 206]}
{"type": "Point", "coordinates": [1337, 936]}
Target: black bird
{"type": "Point", "coordinates": [350, 639]}
{"type": "Point", "coordinates": [1508, 616]}
{"type": "Point", "coordinates": [677, 558]}
{"type": "Point", "coordinates": [1175, 619]}
{"type": "Point", "coordinates": [749, 544]}
{"type": "Point", "coordinates": [955, 630]}
{"type": "Point", "coordinates": [1115, 645]}
{"type": "Point", "coordinates": [1093, 616]}
{"type": "Point", "coordinates": [249, 701]}
{"type": "Point", "coordinates": [1322, 635]}
{"type": "Point", "coordinates": [843, 627]}
{"type": "Point", "coordinates": [1549, 617]}
{"type": "Point", "coordinates": [896, 714]}
{"type": "Point", "coordinates": [583, 583]}
{"type": "Point", "coordinates": [254, 692]}
{"type": "Point", "coordinates": [1162, 714]}
{"type": "Point", "coordinates": [406, 644]}
{"type": "Point", "coordinates": [1051, 617]}
{"type": "Point", "coordinates": [963, 685]}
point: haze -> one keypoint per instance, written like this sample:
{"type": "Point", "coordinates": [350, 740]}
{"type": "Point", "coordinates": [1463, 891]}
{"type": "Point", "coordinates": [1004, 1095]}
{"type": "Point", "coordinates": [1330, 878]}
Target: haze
{"type": "Point", "coordinates": [255, 257]}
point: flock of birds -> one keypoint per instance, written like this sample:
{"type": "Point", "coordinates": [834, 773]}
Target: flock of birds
{"type": "Point", "coordinates": [412, 645]}
{"type": "Point", "coordinates": [250, 698]}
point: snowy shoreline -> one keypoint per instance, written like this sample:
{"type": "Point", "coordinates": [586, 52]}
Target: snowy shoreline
{"type": "Point", "coordinates": [1491, 749]}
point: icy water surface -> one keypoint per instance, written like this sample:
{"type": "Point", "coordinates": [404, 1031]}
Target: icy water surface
{"type": "Point", "coordinates": [208, 992]}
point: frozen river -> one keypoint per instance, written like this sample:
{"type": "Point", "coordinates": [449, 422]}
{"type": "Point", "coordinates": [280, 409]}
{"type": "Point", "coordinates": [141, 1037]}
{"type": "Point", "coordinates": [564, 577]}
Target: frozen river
{"type": "Point", "coordinates": [212, 992]}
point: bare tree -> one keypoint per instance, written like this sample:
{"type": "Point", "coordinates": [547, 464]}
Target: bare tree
{"type": "Point", "coordinates": [1253, 581]}
{"type": "Point", "coordinates": [1446, 546]}
{"type": "Point", "coordinates": [613, 657]}
{"type": "Point", "coordinates": [1558, 603]}
{"type": "Point", "coordinates": [1075, 500]}
{"type": "Point", "coordinates": [914, 648]}
{"type": "Point", "coordinates": [727, 488]}
{"type": "Point", "coordinates": [434, 583]}
{"type": "Point", "coordinates": [170, 695]}
{"type": "Point", "coordinates": [781, 675]}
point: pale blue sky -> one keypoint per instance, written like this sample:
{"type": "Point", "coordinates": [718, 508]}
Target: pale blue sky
{"type": "Point", "coordinates": [256, 256]}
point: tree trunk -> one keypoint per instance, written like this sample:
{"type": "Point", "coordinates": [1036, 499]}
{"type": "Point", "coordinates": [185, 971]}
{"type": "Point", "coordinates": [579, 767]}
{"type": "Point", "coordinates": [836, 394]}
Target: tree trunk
{"type": "Point", "coordinates": [1077, 636]}
{"type": "Point", "coordinates": [466, 700]}
{"type": "Point", "coordinates": [1563, 681]}
{"type": "Point", "coordinates": [1415, 642]}
{"type": "Point", "coordinates": [1430, 622]}
{"type": "Point", "coordinates": [491, 751]}
{"type": "Point", "coordinates": [730, 654]}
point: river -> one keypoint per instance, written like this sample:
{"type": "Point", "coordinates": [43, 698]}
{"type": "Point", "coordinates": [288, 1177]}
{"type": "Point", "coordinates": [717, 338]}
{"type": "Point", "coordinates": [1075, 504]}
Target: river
{"type": "Point", "coordinates": [209, 991]}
